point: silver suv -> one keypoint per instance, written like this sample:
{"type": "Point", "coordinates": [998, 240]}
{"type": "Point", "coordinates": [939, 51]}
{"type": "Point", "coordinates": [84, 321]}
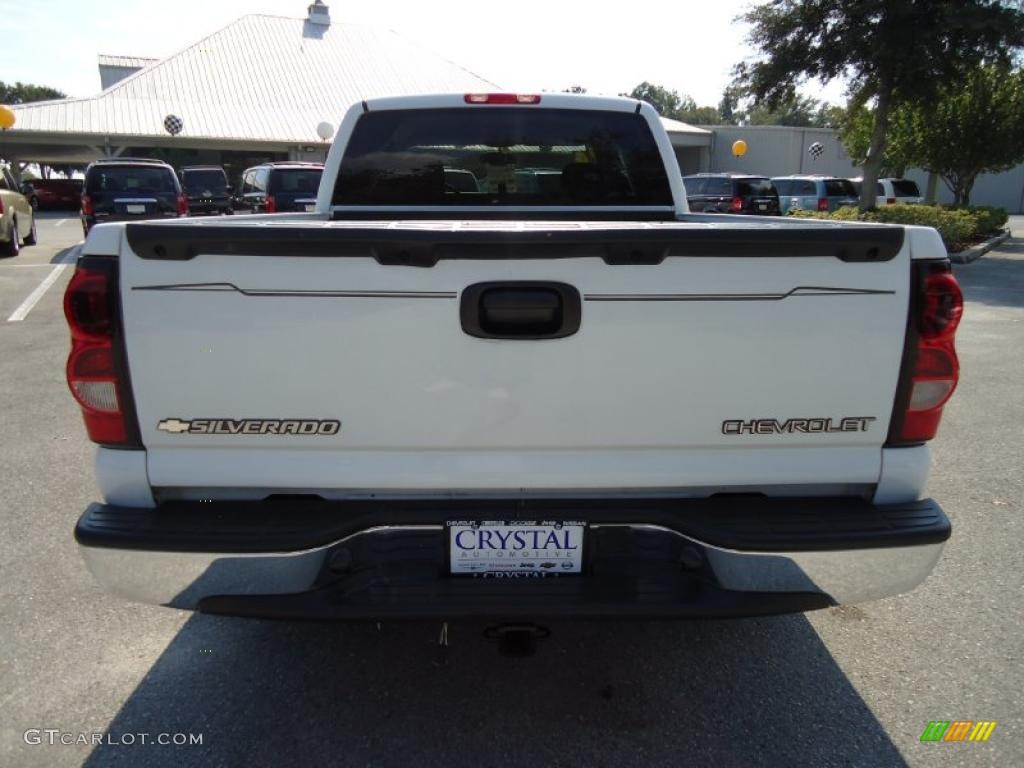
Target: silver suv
{"type": "Point", "coordinates": [814, 193]}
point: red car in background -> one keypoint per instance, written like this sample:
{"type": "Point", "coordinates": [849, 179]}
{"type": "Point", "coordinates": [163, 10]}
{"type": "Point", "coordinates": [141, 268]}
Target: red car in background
{"type": "Point", "coordinates": [53, 193]}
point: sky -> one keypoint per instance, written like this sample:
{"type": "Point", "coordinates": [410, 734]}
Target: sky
{"type": "Point", "coordinates": [533, 45]}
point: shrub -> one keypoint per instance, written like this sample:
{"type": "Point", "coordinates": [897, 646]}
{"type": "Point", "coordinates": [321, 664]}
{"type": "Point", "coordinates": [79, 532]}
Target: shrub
{"type": "Point", "coordinates": [989, 220]}
{"type": "Point", "coordinates": [956, 227]}
{"type": "Point", "coordinates": [800, 213]}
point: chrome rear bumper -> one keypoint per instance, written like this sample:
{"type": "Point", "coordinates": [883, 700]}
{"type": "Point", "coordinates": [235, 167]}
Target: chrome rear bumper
{"type": "Point", "coordinates": [402, 562]}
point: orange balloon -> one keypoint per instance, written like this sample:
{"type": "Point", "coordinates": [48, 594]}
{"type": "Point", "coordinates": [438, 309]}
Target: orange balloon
{"type": "Point", "coordinates": [739, 147]}
{"type": "Point", "coordinates": [7, 117]}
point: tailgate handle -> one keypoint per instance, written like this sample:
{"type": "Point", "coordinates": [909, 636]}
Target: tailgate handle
{"type": "Point", "coordinates": [520, 310]}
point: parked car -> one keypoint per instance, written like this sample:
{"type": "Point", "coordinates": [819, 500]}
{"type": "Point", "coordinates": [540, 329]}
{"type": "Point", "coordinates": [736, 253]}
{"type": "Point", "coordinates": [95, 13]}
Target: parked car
{"type": "Point", "coordinates": [731, 193]}
{"type": "Point", "coordinates": [206, 188]}
{"type": "Point", "coordinates": [17, 217]}
{"type": "Point", "coordinates": [280, 187]}
{"type": "Point", "coordinates": [815, 193]}
{"type": "Point", "coordinates": [131, 189]}
{"type": "Point", "coordinates": [52, 193]}
{"type": "Point", "coordinates": [890, 191]}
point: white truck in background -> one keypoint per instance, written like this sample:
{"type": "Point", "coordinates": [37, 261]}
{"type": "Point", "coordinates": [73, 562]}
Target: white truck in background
{"type": "Point", "coordinates": [551, 392]}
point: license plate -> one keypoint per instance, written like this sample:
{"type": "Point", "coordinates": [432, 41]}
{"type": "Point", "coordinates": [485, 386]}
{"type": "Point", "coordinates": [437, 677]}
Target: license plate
{"type": "Point", "coordinates": [135, 208]}
{"type": "Point", "coordinates": [311, 207]}
{"type": "Point", "coordinates": [515, 548]}
{"type": "Point", "coordinates": [763, 206]}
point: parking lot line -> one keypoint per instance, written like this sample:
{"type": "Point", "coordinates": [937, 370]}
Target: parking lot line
{"type": "Point", "coordinates": [33, 298]}
{"type": "Point", "coordinates": [60, 222]}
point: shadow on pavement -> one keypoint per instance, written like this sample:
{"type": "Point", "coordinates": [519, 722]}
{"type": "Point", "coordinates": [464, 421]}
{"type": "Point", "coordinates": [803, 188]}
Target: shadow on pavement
{"type": "Point", "coordinates": [726, 693]}
{"type": "Point", "coordinates": [66, 255]}
{"type": "Point", "coordinates": [997, 278]}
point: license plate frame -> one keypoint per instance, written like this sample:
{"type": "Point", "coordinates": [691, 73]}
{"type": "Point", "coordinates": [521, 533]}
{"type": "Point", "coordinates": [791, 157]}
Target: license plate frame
{"type": "Point", "coordinates": [542, 548]}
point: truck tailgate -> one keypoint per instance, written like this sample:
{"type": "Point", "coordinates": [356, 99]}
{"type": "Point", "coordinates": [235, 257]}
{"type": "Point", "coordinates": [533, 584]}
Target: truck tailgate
{"type": "Point", "coordinates": [707, 355]}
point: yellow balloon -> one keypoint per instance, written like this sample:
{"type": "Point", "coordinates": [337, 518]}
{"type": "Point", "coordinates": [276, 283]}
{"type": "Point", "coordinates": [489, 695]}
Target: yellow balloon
{"type": "Point", "coordinates": [7, 117]}
{"type": "Point", "coordinates": [739, 147]}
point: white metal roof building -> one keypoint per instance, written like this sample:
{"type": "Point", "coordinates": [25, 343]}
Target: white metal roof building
{"type": "Point", "coordinates": [116, 68]}
{"type": "Point", "coordinates": [255, 90]}
{"type": "Point", "coordinates": [261, 82]}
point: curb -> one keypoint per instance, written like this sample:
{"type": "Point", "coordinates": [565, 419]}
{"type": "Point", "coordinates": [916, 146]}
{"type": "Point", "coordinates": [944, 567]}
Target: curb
{"type": "Point", "coordinates": [975, 252]}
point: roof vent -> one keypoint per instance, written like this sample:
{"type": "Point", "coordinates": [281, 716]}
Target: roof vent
{"type": "Point", "coordinates": [319, 13]}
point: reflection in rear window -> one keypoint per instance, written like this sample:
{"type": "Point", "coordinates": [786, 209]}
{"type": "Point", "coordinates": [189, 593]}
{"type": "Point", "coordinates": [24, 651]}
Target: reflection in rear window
{"type": "Point", "coordinates": [210, 179]}
{"type": "Point", "coordinates": [796, 186]}
{"type": "Point", "coordinates": [129, 181]}
{"type": "Point", "coordinates": [905, 188]}
{"type": "Point", "coordinates": [695, 185]}
{"type": "Point", "coordinates": [840, 188]}
{"type": "Point", "coordinates": [460, 181]}
{"type": "Point", "coordinates": [517, 155]}
{"type": "Point", "coordinates": [720, 185]}
{"type": "Point", "coordinates": [296, 180]}
{"type": "Point", "coordinates": [755, 187]}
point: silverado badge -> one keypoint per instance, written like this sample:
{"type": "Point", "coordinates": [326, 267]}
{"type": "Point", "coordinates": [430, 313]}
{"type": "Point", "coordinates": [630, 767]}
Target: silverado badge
{"type": "Point", "coordinates": [251, 426]}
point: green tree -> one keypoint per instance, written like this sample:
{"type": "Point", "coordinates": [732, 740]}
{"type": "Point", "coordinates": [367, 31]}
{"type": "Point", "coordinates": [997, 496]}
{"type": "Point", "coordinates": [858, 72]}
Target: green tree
{"type": "Point", "coordinates": [673, 104]}
{"type": "Point", "coordinates": [901, 146]}
{"type": "Point", "coordinates": [891, 52]}
{"type": "Point", "coordinates": [972, 126]}
{"type": "Point", "coordinates": [829, 116]}
{"type": "Point", "coordinates": [23, 93]}
{"type": "Point", "coordinates": [667, 103]}
{"type": "Point", "coordinates": [701, 116]}
{"type": "Point", "coordinates": [729, 106]}
{"type": "Point", "coordinates": [737, 108]}
{"type": "Point", "coordinates": [799, 111]}
{"type": "Point", "coordinates": [975, 126]}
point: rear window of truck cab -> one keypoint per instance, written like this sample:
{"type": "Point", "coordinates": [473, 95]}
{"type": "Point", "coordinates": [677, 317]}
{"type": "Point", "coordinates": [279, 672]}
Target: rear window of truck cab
{"type": "Point", "coordinates": [487, 156]}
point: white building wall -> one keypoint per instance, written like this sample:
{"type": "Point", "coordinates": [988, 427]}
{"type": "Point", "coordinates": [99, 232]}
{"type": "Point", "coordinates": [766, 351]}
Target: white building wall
{"type": "Point", "coordinates": [780, 151]}
{"type": "Point", "coordinates": [1004, 190]}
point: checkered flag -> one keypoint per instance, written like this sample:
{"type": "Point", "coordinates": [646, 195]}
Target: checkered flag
{"type": "Point", "coordinates": [816, 150]}
{"type": "Point", "coordinates": [173, 124]}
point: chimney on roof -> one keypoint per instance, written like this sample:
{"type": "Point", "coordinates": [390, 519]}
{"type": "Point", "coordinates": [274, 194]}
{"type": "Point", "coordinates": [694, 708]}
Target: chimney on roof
{"type": "Point", "coordinates": [319, 14]}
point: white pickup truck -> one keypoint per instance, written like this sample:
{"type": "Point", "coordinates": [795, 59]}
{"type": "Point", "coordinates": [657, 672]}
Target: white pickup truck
{"type": "Point", "coordinates": [500, 371]}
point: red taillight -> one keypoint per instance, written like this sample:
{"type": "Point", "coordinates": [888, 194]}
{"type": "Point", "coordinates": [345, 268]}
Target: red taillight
{"type": "Point", "coordinates": [822, 203]}
{"type": "Point", "coordinates": [270, 204]}
{"type": "Point", "coordinates": [182, 204]}
{"type": "Point", "coordinates": [736, 206]}
{"type": "Point", "coordinates": [502, 98]}
{"type": "Point", "coordinates": [890, 201]}
{"type": "Point", "coordinates": [932, 370]}
{"type": "Point", "coordinates": [90, 306]}
{"type": "Point", "coordinates": [86, 205]}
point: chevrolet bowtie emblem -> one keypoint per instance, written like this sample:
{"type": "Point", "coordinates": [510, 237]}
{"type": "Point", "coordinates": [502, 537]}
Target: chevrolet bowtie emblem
{"type": "Point", "coordinates": [173, 425]}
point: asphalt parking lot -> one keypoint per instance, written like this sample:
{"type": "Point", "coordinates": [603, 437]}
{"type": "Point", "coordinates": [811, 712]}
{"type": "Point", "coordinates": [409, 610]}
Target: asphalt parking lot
{"type": "Point", "coordinates": [844, 687]}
